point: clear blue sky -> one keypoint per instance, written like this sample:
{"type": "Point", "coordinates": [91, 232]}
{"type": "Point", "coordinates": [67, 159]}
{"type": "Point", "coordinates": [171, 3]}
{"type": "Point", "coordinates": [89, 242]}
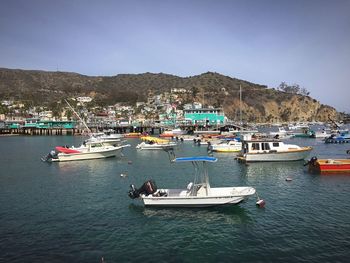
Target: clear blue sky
{"type": "Point", "coordinates": [302, 41]}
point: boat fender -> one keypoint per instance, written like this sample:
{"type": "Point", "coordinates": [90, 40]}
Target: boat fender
{"type": "Point", "coordinates": [260, 203]}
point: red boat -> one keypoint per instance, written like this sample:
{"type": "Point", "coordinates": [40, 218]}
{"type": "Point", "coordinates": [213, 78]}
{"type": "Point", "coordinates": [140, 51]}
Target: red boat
{"type": "Point", "coordinates": [329, 166]}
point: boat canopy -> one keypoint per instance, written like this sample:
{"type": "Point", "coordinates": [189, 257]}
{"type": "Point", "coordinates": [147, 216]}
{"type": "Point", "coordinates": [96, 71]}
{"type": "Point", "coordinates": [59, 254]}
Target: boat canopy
{"type": "Point", "coordinates": [196, 159]}
{"type": "Point", "coordinates": [66, 150]}
{"type": "Point", "coordinates": [154, 139]}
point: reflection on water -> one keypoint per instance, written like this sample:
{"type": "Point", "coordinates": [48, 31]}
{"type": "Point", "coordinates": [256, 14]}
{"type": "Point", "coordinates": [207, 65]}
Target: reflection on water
{"type": "Point", "coordinates": [272, 168]}
{"type": "Point", "coordinates": [90, 166]}
{"type": "Point", "coordinates": [232, 215]}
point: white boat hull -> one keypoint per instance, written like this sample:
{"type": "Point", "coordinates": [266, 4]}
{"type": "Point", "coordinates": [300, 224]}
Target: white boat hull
{"type": "Point", "coordinates": [63, 157]}
{"type": "Point", "coordinates": [217, 197]}
{"type": "Point", "coordinates": [276, 157]}
{"type": "Point", "coordinates": [155, 146]}
{"type": "Point", "coordinates": [232, 147]}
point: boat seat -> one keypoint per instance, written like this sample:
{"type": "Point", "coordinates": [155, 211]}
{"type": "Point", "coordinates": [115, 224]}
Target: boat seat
{"type": "Point", "coordinates": [190, 186]}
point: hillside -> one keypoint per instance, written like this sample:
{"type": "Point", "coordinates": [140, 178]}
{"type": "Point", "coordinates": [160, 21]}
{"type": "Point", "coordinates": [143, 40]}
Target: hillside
{"type": "Point", "coordinates": [258, 102]}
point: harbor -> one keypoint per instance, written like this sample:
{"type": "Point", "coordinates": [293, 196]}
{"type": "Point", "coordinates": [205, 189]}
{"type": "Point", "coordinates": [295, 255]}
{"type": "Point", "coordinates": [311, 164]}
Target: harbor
{"type": "Point", "coordinates": [91, 198]}
{"type": "Point", "coordinates": [174, 131]}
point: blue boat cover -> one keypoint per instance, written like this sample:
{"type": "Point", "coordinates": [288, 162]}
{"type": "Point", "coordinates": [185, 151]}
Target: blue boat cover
{"type": "Point", "coordinates": [232, 139]}
{"type": "Point", "coordinates": [196, 159]}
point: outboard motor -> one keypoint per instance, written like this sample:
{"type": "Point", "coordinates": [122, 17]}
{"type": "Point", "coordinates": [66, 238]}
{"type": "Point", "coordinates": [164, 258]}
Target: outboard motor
{"type": "Point", "coordinates": [148, 187]}
{"type": "Point", "coordinates": [209, 147]}
{"type": "Point", "coordinates": [49, 157]}
{"type": "Point", "coordinates": [312, 161]}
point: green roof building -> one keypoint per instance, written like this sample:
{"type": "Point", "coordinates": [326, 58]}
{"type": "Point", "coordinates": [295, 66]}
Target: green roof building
{"type": "Point", "coordinates": [205, 116]}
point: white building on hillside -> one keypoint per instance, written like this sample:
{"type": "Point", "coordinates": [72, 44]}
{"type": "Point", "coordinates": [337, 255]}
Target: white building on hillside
{"type": "Point", "coordinates": [84, 99]}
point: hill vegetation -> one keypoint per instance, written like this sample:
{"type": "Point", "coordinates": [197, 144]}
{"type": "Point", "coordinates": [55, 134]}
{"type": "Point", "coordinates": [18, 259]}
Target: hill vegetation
{"type": "Point", "coordinates": [259, 103]}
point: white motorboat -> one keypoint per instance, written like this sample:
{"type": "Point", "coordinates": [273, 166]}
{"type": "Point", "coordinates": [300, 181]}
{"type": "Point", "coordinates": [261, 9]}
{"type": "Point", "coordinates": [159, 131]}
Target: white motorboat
{"type": "Point", "coordinates": [87, 151]}
{"type": "Point", "coordinates": [186, 138]}
{"type": "Point", "coordinates": [226, 146]}
{"type": "Point", "coordinates": [154, 143]}
{"type": "Point", "coordinates": [198, 193]}
{"type": "Point", "coordinates": [280, 134]}
{"type": "Point", "coordinates": [271, 151]}
{"type": "Point", "coordinates": [320, 134]}
{"type": "Point", "coordinates": [107, 139]}
{"type": "Point", "coordinates": [173, 133]}
{"type": "Point", "coordinates": [202, 140]}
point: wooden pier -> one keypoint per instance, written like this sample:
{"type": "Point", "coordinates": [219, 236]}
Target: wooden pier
{"type": "Point", "coordinates": [76, 131]}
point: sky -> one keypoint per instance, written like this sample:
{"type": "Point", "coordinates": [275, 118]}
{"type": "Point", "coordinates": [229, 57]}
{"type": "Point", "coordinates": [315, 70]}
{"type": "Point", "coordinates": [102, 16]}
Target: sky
{"type": "Point", "coordinates": [304, 42]}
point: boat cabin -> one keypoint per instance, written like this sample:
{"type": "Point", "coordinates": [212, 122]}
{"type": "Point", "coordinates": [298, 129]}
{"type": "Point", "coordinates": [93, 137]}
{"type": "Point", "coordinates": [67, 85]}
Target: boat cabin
{"type": "Point", "coordinates": [265, 146]}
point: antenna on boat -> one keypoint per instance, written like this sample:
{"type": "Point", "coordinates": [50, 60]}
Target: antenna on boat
{"type": "Point", "coordinates": [88, 129]}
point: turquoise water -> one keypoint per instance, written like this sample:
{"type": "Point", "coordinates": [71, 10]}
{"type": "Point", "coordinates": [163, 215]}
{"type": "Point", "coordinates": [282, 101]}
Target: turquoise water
{"type": "Point", "coordinates": [80, 211]}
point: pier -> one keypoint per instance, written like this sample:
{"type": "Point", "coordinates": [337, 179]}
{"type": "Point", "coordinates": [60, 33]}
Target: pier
{"type": "Point", "coordinates": [58, 130]}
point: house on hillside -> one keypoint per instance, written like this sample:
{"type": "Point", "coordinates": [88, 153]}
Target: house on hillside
{"type": "Point", "coordinates": [84, 99]}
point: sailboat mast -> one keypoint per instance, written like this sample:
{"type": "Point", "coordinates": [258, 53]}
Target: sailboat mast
{"type": "Point", "coordinates": [88, 129]}
{"type": "Point", "coordinates": [240, 104]}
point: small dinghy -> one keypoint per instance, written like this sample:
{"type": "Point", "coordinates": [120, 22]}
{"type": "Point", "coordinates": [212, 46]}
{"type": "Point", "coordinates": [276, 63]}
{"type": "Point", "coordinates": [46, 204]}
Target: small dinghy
{"type": "Point", "coordinates": [329, 166]}
{"type": "Point", "coordinates": [154, 143]}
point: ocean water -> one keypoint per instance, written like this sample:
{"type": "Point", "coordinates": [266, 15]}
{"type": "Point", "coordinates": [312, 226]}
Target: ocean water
{"type": "Point", "coordinates": [80, 211]}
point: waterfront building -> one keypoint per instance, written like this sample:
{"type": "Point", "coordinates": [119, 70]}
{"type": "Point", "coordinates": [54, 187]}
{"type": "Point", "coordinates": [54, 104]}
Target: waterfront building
{"type": "Point", "coordinates": [167, 119]}
{"type": "Point", "coordinates": [210, 116]}
{"type": "Point", "coordinates": [48, 124]}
